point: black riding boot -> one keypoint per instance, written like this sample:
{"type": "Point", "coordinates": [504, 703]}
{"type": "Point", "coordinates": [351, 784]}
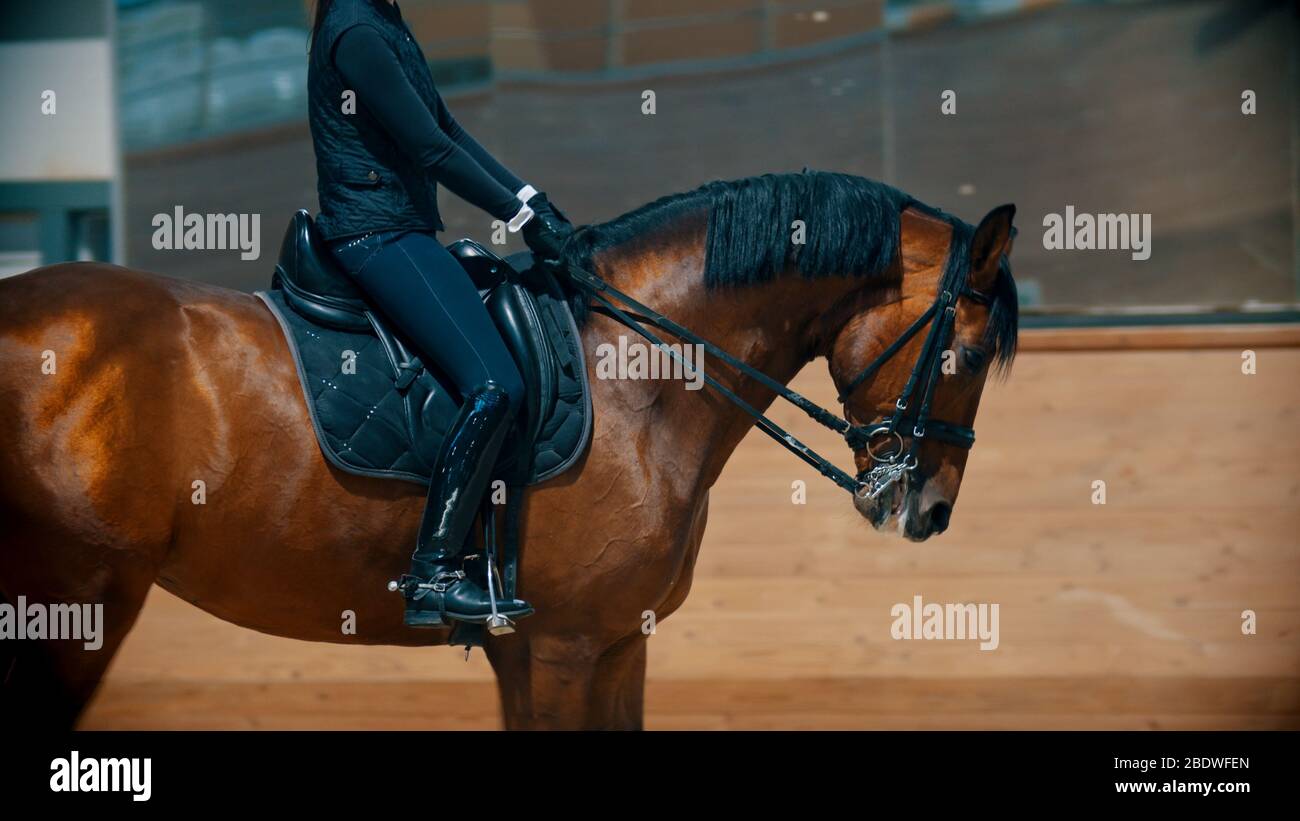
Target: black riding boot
{"type": "Point", "coordinates": [437, 588]}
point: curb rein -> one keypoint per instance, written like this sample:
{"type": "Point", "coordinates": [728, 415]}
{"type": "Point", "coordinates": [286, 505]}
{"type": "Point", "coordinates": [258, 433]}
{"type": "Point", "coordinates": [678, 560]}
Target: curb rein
{"type": "Point", "coordinates": [888, 468]}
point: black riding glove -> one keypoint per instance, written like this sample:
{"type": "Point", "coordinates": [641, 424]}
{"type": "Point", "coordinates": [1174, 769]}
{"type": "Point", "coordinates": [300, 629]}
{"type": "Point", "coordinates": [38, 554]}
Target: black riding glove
{"type": "Point", "coordinates": [542, 206]}
{"type": "Point", "coordinates": [546, 232]}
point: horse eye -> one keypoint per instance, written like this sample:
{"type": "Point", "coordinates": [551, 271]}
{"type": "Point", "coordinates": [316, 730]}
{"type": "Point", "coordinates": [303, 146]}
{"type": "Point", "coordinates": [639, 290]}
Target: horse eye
{"type": "Point", "coordinates": [974, 358]}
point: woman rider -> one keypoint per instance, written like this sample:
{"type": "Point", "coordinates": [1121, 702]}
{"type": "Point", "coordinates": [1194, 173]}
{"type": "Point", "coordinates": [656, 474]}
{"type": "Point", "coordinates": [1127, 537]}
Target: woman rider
{"type": "Point", "coordinates": [379, 158]}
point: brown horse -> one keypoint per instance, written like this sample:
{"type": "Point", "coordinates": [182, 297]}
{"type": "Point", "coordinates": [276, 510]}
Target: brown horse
{"type": "Point", "coordinates": [120, 391]}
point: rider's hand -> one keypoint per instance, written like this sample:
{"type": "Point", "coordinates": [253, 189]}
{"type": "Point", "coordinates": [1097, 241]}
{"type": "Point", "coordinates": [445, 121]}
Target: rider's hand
{"type": "Point", "coordinates": [546, 232]}
{"type": "Point", "coordinates": [543, 207]}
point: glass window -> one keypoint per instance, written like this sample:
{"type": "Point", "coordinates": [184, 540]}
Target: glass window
{"type": "Point", "coordinates": [90, 235]}
{"type": "Point", "coordinates": [19, 243]}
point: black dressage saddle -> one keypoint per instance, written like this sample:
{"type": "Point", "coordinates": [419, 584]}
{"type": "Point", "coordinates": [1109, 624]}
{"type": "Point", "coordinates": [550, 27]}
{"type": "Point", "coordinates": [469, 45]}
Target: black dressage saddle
{"type": "Point", "coordinates": [379, 410]}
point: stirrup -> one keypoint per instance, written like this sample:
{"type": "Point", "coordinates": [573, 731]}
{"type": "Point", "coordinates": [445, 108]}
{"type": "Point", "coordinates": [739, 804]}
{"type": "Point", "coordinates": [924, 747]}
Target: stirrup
{"type": "Point", "coordinates": [498, 624]}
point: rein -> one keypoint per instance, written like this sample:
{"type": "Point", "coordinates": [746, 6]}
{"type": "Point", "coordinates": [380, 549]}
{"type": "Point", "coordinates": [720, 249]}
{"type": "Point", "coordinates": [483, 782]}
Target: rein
{"type": "Point", "coordinates": [888, 469]}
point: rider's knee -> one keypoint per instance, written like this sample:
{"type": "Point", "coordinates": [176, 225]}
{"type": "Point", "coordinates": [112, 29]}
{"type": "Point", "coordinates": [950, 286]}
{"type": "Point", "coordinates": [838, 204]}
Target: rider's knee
{"type": "Point", "coordinates": [507, 388]}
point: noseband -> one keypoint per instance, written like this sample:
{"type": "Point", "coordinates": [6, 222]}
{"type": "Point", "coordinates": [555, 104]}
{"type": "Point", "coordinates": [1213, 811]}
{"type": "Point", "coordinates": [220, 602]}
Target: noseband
{"type": "Point", "coordinates": [941, 317]}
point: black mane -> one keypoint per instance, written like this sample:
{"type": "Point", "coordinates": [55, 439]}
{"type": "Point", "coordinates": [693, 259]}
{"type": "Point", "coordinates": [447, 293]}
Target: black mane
{"type": "Point", "coordinates": [851, 229]}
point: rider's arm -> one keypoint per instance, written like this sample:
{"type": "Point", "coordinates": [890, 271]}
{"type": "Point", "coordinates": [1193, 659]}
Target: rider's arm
{"type": "Point", "coordinates": [371, 70]}
{"type": "Point", "coordinates": [471, 146]}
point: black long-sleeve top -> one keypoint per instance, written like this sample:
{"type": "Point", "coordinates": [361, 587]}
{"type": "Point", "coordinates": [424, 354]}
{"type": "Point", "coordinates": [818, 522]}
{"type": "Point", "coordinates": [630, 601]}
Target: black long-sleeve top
{"type": "Point", "coordinates": [433, 138]}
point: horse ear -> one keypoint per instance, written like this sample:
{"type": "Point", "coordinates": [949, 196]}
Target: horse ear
{"type": "Point", "coordinates": [992, 240]}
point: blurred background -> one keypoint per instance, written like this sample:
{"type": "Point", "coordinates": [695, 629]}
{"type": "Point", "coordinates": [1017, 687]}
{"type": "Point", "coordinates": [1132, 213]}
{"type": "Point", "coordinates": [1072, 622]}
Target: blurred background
{"type": "Point", "coordinates": [1127, 620]}
{"type": "Point", "coordinates": [1106, 106]}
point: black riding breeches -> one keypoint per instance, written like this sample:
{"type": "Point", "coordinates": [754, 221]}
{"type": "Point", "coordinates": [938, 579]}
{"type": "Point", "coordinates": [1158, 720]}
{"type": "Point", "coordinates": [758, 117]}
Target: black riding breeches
{"type": "Point", "coordinates": [421, 287]}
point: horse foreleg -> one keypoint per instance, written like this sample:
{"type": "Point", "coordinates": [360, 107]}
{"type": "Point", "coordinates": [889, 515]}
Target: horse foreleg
{"type": "Point", "coordinates": [618, 691]}
{"type": "Point", "coordinates": [568, 682]}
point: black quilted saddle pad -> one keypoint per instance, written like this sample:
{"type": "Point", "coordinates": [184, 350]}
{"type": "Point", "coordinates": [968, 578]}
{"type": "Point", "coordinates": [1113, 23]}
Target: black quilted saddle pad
{"type": "Point", "coordinates": [374, 417]}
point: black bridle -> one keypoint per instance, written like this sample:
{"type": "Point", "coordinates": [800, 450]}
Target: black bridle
{"type": "Point", "coordinates": [888, 468]}
{"type": "Point", "coordinates": [941, 318]}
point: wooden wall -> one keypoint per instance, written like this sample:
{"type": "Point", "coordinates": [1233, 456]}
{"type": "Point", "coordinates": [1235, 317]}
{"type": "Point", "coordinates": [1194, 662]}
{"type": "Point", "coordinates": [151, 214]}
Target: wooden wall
{"type": "Point", "coordinates": [598, 37]}
{"type": "Point", "coordinates": [608, 36]}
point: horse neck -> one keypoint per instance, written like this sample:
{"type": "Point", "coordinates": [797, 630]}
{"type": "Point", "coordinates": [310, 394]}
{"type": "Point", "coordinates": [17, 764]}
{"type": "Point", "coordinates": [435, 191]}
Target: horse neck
{"type": "Point", "coordinates": [776, 327]}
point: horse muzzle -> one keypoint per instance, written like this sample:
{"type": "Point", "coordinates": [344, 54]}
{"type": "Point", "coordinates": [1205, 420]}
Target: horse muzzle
{"type": "Point", "coordinates": [903, 505]}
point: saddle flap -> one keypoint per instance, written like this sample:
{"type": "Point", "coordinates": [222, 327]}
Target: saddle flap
{"type": "Point", "coordinates": [512, 310]}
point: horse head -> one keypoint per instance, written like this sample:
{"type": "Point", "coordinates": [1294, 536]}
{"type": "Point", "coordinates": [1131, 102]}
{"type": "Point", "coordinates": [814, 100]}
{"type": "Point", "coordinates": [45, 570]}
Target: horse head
{"type": "Point", "coordinates": [911, 366]}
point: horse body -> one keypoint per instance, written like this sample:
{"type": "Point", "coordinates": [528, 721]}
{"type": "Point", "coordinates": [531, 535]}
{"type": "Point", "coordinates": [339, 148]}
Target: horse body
{"type": "Point", "coordinates": [171, 445]}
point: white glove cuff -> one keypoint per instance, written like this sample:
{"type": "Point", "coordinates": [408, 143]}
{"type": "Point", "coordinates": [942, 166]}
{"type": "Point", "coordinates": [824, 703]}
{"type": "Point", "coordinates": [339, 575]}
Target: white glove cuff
{"type": "Point", "coordinates": [521, 218]}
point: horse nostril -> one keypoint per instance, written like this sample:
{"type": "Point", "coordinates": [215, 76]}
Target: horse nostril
{"type": "Point", "coordinates": [939, 516]}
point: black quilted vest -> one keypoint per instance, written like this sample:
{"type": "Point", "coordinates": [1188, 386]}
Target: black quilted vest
{"type": "Point", "coordinates": [363, 180]}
